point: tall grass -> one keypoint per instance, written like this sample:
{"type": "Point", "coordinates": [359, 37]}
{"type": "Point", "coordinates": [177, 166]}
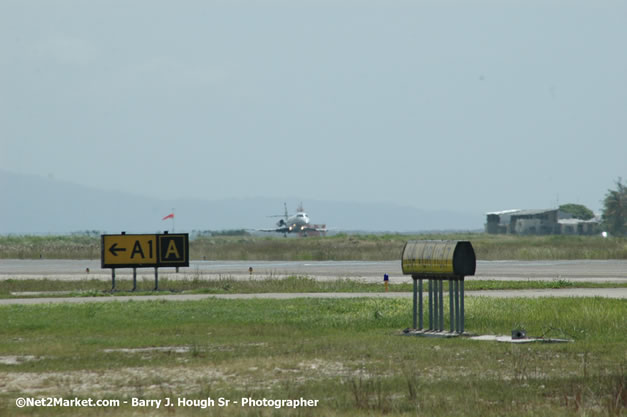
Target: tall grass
{"type": "Point", "coordinates": [339, 247]}
{"type": "Point", "coordinates": [50, 247]}
{"type": "Point", "coordinates": [389, 247]}
{"type": "Point", "coordinates": [495, 247]}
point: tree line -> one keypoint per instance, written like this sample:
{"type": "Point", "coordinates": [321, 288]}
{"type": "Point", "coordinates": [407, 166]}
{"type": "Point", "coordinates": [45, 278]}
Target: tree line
{"type": "Point", "coordinates": [614, 214]}
{"type": "Point", "coordinates": [615, 210]}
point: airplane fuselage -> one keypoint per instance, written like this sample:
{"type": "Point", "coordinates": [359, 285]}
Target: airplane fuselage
{"type": "Point", "coordinates": [295, 223]}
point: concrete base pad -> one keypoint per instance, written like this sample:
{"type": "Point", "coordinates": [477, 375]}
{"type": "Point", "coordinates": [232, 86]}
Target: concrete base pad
{"type": "Point", "coordinates": [432, 333]}
{"type": "Point", "coordinates": [508, 339]}
{"type": "Point", "coordinates": [489, 337]}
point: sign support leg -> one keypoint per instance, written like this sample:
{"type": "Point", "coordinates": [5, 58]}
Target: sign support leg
{"type": "Point", "coordinates": [436, 306]}
{"type": "Point", "coordinates": [451, 305]}
{"type": "Point", "coordinates": [112, 279]}
{"type": "Point", "coordinates": [134, 279]}
{"type": "Point", "coordinates": [415, 303]}
{"type": "Point", "coordinates": [441, 304]}
{"type": "Point", "coordinates": [420, 303]}
{"type": "Point", "coordinates": [457, 319]}
{"type": "Point", "coordinates": [430, 304]}
{"type": "Point", "coordinates": [461, 302]}
{"type": "Point", "coordinates": [156, 279]}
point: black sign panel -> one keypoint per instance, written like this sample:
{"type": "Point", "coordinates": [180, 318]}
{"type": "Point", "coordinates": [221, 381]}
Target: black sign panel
{"type": "Point", "coordinates": [173, 250]}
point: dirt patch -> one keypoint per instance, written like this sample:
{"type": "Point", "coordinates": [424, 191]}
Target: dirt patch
{"type": "Point", "coordinates": [120, 381]}
{"type": "Point", "coordinates": [182, 349]}
{"type": "Point", "coordinates": [165, 380]}
{"type": "Point", "coordinates": [172, 349]}
{"type": "Point", "coordinates": [17, 360]}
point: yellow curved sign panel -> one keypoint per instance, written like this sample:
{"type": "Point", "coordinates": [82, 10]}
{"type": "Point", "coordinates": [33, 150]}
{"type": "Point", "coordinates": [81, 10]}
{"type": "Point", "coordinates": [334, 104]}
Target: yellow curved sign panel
{"type": "Point", "coordinates": [428, 257]}
{"type": "Point", "coordinates": [438, 258]}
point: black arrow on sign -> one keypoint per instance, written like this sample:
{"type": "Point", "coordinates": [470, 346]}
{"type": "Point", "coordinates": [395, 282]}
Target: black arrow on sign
{"type": "Point", "coordinates": [113, 249]}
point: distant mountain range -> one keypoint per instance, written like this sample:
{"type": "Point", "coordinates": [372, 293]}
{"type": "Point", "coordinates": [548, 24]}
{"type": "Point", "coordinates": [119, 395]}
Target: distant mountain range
{"type": "Point", "coordinates": [36, 205]}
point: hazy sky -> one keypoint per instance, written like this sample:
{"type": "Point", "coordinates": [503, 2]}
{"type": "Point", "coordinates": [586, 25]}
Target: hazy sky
{"type": "Point", "coordinates": [481, 105]}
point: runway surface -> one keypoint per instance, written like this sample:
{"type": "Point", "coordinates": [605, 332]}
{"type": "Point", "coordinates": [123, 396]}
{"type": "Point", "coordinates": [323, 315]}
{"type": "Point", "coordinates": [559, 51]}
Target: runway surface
{"type": "Point", "coordinates": [581, 270]}
{"type": "Point", "coordinates": [578, 270]}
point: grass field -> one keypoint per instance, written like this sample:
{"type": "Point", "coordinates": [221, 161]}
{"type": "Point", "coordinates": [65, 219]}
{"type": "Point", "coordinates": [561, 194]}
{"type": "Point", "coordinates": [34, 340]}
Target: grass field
{"type": "Point", "coordinates": [347, 354]}
{"type": "Point", "coordinates": [13, 288]}
{"type": "Point", "coordinates": [340, 247]}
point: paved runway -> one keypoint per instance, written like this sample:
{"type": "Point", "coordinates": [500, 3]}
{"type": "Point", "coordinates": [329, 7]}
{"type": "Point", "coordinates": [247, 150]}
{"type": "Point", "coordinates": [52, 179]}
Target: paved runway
{"type": "Point", "coordinates": [578, 270]}
{"type": "Point", "coordinates": [581, 270]}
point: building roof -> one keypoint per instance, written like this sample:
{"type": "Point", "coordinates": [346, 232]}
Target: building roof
{"type": "Point", "coordinates": [500, 213]}
{"type": "Point", "coordinates": [532, 212]}
{"type": "Point", "coordinates": [518, 212]}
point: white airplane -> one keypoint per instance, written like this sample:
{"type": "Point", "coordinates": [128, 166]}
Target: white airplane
{"type": "Point", "coordinates": [297, 223]}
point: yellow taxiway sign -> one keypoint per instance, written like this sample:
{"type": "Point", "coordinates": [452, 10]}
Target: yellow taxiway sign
{"type": "Point", "coordinates": [144, 250]}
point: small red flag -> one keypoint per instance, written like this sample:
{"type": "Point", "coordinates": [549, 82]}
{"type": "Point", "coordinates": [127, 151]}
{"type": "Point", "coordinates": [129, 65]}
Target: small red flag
{"type": "Point", "coordinates": [169, 216]}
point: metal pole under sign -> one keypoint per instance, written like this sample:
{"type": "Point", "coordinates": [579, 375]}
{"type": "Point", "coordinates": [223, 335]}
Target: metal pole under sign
{"type": "Point", "coordinates": [415, 303]}
{"type": "Point", "coordinates": [441, 304]}
{"type": "Point", "coordinates": [461, 302]}
{"type": "Point", "coordinates": [421, 318]}
{"type": "Point", "coordinates": [451, 304]}
{"type": "Point", "coordinates": [457, 319]}
{"type": "Point", "coordinates": [430, 304]}
{"type": "Point", "coordinates": [436, 308]}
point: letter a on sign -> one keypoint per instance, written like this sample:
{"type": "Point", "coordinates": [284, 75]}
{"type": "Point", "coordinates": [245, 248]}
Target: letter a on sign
{"type": "Point", "coordinates": [137, 249]}
{"type": "Point", "coordinates": [174, 250]}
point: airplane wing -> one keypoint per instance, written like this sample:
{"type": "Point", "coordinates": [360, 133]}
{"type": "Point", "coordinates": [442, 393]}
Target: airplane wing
{"type": "Point", "coordinates": [284, 229]}
{"type": "Point", "coordinates": [314, 229]}
{"type": "Point", "coordinates": [295, 229]}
